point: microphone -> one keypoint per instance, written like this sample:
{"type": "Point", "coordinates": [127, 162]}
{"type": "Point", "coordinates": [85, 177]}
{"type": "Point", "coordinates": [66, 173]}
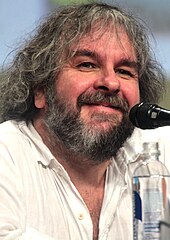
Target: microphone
{"type": "Point", "coordinates": [149, 116]}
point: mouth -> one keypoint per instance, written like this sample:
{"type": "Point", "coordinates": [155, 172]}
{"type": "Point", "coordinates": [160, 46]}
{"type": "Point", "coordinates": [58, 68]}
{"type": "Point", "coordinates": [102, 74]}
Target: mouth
{"type": "Point", "coordinates": [105, 105]}
{"type": "Point", "coordinates": [104, 114]}
{"type": "Point", "coordinates": [103, 102]}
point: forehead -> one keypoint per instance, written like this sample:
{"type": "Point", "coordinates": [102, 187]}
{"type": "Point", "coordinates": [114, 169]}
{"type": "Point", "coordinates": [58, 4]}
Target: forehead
{"type": "Point", "coordinates": [108, 42]}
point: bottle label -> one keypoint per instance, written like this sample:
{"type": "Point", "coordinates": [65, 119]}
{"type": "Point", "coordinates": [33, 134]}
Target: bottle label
{"type": "Point", "coordinates": [148, 207]}
{"type": "Point", "coordinates": [152, 200]}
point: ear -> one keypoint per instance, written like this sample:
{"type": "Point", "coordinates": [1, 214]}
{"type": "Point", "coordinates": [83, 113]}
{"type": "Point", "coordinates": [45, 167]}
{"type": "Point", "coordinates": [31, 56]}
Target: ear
{"type": "Point", "coordinates": [39, 99]}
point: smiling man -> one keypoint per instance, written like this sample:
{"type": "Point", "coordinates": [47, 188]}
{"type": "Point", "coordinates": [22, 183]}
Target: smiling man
{"type": "Point", "coordinates": [65, 106]}
{"type": "Point", "coordinates": [92, 95]}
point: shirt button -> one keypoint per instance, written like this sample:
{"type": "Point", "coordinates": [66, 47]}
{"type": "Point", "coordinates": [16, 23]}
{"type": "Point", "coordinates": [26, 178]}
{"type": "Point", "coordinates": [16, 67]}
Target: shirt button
{"type": "Point", "coordinates": [81, 216]}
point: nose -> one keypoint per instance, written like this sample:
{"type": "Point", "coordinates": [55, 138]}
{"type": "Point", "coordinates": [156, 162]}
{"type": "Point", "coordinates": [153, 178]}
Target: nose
{"type": "Point", "coordinates": [108, 82]}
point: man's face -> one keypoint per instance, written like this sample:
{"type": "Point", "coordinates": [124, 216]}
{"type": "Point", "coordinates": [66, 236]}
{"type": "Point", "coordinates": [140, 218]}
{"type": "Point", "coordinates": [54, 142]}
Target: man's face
{"type": "Point", "coordinates": [93, 95]}
{"type": "Point", "coordinates": [105, 66]}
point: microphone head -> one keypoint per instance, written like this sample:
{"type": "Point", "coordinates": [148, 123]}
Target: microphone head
{"type": "Point", "coordinates": [140, 115]}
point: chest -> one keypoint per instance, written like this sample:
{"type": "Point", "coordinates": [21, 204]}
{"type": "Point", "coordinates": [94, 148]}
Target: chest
{"type": "Point", "coordinates": [93, 200]}
{"type": "Point", "coordinates": [56, 208]}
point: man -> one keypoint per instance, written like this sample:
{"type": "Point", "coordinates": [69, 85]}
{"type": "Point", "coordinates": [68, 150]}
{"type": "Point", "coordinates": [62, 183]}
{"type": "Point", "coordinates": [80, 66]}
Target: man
{"type": "Point", "coordinates": [64, 170]}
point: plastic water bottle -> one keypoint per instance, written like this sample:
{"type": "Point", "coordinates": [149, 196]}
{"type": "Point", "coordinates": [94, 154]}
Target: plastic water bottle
{"type": "Point", "coordinates": [151, 181]}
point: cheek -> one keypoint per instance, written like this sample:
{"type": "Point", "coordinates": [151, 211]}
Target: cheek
{"type": "Point", "coordinates": [131, 93]}
{"type": "Point", "coordinates": [70, 86]}
{"type": "Point", "coordinates": [69, 93]}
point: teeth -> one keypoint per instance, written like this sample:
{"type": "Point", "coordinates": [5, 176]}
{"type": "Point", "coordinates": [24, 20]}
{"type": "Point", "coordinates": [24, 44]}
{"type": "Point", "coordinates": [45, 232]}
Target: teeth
{"type": "Point", "coordinates": [102, 104]}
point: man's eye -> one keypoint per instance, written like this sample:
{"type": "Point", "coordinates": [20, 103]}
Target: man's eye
{"type": "Point", "coordinates": [125, 72]}
{"type": "Point", "coordinates": [86, 65]}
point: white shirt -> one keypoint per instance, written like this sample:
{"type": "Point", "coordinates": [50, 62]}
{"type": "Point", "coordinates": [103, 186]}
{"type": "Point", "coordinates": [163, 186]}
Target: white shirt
{"type": "Point", "coordinates": [38, 201]}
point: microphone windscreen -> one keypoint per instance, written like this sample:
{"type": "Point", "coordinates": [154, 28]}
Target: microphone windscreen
{"type": "Point", "coordinates": [139, 116]}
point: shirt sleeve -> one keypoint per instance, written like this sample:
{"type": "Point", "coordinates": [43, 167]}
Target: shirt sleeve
{"type": "Point", "coordinates": [12, 208]}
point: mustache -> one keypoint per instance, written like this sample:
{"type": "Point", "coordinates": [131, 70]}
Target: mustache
{"type": "Point", "coordinates": [105, 99]}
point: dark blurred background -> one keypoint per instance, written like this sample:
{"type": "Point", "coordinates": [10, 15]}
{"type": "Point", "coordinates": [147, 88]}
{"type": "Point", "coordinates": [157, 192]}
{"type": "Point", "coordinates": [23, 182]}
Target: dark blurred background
{"type": "Point", "coordinates": [18, 18]}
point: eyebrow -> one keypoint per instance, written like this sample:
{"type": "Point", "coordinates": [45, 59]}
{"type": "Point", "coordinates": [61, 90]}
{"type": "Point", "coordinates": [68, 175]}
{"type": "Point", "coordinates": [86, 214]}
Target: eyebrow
{"type": "Point", "coordinates": [123, 62]}
{"type": "Point", "coordinates": [85, 52]}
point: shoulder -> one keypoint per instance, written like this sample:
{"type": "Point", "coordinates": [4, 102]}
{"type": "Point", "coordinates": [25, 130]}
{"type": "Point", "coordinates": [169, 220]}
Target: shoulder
{"type": "Point", "coordinates": [13, 142]}
{"type": "Point", "coordinates": [158, 134]}
{"type": "Point", "coordinates": [17, 139]}
{"type": "Point", "coordinates": [11, 130]}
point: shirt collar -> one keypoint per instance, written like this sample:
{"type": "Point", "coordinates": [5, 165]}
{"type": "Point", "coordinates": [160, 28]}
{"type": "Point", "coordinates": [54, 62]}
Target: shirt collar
{"type": "Point", "coordinates": [127, 154]}
{"type": "Point", "coordinates": [133, 146]}
{"type": "Point", "coordinates": [43, 154]}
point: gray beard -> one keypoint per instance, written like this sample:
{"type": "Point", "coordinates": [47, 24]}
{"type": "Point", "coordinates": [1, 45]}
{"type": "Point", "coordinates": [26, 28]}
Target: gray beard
{"type": "Point", "coordinates": [86, 140]}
